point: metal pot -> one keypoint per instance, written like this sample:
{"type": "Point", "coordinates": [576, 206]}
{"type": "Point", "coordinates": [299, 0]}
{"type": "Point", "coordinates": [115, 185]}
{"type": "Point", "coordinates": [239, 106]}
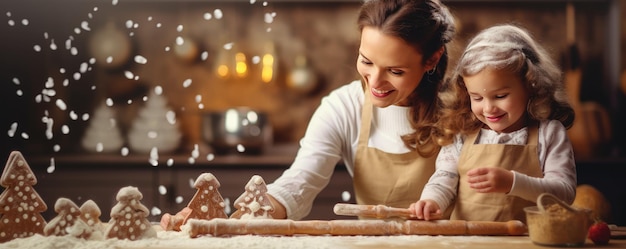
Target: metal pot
{"type": "Point", "coordinates": [239, 129]}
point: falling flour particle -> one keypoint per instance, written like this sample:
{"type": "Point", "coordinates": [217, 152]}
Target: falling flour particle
{"type": "Point", "coordinates": [207, 16]}
{"type": "Point", "coordinates": [61, 104]}
{"type": "Point", "coordinates": [52, 166]}
{"type": "Point", "coordinates": [129, 75]}
{"type": "Point", "coordinates": [85, 26]}
{"type": "Point", "coordinates": [171, 117]}
{"type": "Point", "coordinates": [180, 41]}
{"type": "Point", "coordinates": [170, 162]}
{"type": "Point", "coordinates": [256, 59]}
{"type": "Point", "coordinates": [162, 190]}
{"type": "Point", "coordinates": [158, 90]}
{"type": "Point", "coordinates": [53, 46]}
{"type": "Point", "coordinates": [186, 83]}
{"type": "Point", "coordinates": [241, 148]}
{"type": "Point", "coordinates": [56, 148]}
{"type": "Point", "coordinates": [198, 98]}
{"type": "Point", "coordinates": [191, 160]}
{"type": "Point", "coordinates": [109, 102]}
{"type": "Point", "coordinates": [155, 211]}
{"type": "Point", "coordinates": [140, 59]}
{"type": "Point", "coordinates": [124, 151]}
{"type": "Point", "coordinates": [85, 116]}
{"type": "Point", "coordinates": [345, 196]}
{"type": "Point", "coordinates": [13, 129]}
{"type": "Point", "coordinates": [269, 17]}
{"type": "Point", "coordinates": [195, 153]}
{"type": "Point", "coordinates": [204, 55]}
{"type": "Point", "coordinates": [210, 157]}
{"type": "Point", "coordinates": [65, 129]}
{"type": "Point", "coordinates": [83, 67]}
{"type": "Point", "coordinates": [218, 14]}
{"type": "Point", "coordinates": [73, 115]}
{"type": "Point", "coordinates": [16, 81]}
{"type": "Point", "coordinates": [77, 76]}
{"type": "Point", "coordinates": [179, 199]}
{"type": "Point", "coordinates": [25, 135]}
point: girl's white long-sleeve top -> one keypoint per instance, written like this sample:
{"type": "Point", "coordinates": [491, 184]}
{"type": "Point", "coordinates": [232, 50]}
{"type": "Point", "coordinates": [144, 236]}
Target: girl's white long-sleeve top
{"type": "Point", "coordinates": [332, 135]}
{"type": "Point", "coordinates": [556, 158]}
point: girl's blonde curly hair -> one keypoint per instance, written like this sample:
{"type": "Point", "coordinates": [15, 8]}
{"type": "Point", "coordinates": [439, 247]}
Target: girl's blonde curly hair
{"type": "Point", "coordinates": [502, 47]}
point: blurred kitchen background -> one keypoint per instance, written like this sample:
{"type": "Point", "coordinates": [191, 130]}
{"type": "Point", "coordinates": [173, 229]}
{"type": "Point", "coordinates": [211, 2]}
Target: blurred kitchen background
{"type": "Point", "coordinates": [102, 83]}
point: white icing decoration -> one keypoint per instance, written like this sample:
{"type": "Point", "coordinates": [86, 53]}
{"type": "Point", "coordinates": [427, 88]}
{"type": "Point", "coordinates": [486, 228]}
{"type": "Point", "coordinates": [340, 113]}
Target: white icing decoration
{"type": "Point", "coordinates": [254, 206]}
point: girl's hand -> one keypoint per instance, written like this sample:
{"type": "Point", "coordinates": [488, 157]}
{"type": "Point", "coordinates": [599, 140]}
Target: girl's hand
{"type": "Point", "coordinates": [426, 210]}
{"type": "Point", "coordinates": [490, 180]}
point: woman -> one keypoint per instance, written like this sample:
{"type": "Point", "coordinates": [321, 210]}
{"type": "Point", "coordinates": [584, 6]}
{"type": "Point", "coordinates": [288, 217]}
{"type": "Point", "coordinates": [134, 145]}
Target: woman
{"type": "Point", "coordinates": [380, 126]}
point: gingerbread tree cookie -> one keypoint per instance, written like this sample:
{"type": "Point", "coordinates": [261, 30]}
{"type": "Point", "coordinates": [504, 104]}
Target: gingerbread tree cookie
{"type": "Point", "coordinates": [254, 202]}
{"type": "Point", "coordinates": [91, 227]}
{"type": "Point", "coordinates": [20, 205]}
{"type": "Point", "coordinates": [206, 204]}
{"type": "Point", "coordinates": [90, 214]}
{"type": "Point", "coordinates": [129, 217]}
{"type": "Point", "coordinates": [68, 213]}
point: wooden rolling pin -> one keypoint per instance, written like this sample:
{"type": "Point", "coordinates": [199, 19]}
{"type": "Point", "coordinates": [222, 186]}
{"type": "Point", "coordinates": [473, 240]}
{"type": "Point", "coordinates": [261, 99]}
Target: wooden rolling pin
{"type": "Point", "coordinates": [221, 227]}
{"type": "Point", "coordinates": [372, 211]}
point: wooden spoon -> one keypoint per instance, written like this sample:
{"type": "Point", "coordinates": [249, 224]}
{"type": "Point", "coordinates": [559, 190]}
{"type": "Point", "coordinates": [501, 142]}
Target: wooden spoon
{"type": "Point", "coordinates": [545, 199]}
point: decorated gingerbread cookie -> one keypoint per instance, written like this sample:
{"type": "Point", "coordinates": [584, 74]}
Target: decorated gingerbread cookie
{"type": "Point", "coordinates": [68, 214]}
{"type": "Point", "coordinates": [129, 217]}
{"type": "Point", "coordinates": [254, 202]}
{"type": "Point", "coordinates": [20, 205]}
{"type": "Point", "coordinates": [206, 204]}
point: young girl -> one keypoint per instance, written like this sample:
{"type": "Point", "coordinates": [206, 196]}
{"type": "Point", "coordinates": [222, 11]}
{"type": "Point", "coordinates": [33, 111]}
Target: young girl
{"type": "Point", "coordinates": [503, 130]}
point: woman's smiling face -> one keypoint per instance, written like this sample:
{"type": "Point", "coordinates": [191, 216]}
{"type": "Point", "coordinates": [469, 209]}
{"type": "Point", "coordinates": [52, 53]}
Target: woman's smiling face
{"type": "Point", "coordinates": [498, 98]}
{"type": "Point", "coordinates": [390, 67]}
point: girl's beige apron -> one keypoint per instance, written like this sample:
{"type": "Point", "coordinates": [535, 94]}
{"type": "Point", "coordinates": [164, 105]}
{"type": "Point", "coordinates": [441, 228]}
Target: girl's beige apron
{"type": "Point", "coordinates": [394, 180]}
{"type": "Point", "coordinates": [471, 205]}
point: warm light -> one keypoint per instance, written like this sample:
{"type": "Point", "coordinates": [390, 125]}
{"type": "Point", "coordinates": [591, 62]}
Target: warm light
{"type": "Point", "coordinates": [267, 72]}
{"type": "Point", "coordinates": [241, 68]}
{"type": "Point", "coordinates": [222, 71]}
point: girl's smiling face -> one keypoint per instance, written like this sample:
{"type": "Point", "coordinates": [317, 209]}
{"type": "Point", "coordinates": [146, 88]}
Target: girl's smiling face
{"type": "Point", "coordinates": [498, 98]}
{"type": "Point", "coordinates": [390, 67]}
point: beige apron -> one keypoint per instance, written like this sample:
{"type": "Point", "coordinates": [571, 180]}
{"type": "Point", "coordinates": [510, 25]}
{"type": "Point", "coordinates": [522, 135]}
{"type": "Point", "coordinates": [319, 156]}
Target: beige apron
{"type": "Point", "coordinates": [471, 205]}
{"type": "Point", "coordinates": [394, 180]}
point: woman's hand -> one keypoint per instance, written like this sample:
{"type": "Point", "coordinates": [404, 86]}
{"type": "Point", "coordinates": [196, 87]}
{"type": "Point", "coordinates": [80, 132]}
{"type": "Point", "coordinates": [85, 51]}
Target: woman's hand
{"type": "Point", "coordinates": [490, 180]}
{"type": "Point", "coordinates": [426, 210]}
